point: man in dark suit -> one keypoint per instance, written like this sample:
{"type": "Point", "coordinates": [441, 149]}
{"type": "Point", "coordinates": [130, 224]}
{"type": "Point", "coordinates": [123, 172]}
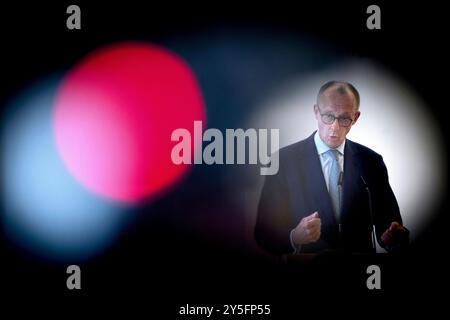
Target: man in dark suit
{"type": "Point", "coordinates": [330, 191]}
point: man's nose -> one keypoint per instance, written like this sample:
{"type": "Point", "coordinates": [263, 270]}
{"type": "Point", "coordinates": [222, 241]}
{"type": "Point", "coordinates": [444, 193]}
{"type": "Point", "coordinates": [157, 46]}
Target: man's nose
{"type": "Point", "coordinates": [335, 124]}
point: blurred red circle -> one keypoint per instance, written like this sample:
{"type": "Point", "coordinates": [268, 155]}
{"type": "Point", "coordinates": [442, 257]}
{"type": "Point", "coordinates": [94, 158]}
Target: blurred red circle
{"type": "Point", "coordinates": [114, 115]}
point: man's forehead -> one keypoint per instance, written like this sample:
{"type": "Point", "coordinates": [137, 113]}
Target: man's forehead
{"type": "Point", "coordinates": [335, 93]}
{"type": "Point", "coordinates": [336, 100]}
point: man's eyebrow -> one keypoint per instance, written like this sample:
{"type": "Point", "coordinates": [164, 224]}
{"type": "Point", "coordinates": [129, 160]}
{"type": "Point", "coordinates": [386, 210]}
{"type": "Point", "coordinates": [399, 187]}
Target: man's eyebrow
{"type": "Point", "coordinates": [345, 114]}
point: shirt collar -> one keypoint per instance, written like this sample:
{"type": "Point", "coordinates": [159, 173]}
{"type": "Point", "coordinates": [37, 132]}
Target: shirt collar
{"type": "Point", "coordinates": [322, 147]}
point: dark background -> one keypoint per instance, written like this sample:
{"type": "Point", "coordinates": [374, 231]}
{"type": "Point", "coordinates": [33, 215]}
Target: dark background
{"type": "Point", "coordinates": [165, 260]}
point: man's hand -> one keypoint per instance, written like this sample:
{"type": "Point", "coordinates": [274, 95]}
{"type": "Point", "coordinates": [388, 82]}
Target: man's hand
{"type": "Point", "coordinates": [395, 235]}
{"type": "Point", "coordinates": [308, 230]}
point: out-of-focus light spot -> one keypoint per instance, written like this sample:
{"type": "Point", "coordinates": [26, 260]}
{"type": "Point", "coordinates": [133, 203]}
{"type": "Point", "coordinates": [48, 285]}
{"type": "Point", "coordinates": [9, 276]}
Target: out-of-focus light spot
{"type": "Point", "coordinates": [394, 122]}
{"type": "Point", "coordinates": [115, 113]}
{"type": "Point", "coordinates": [45, 210]}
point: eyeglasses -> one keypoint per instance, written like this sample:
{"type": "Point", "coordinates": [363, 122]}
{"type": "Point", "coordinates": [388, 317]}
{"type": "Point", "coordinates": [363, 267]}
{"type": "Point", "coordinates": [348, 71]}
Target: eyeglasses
{"type": "Point", "coordinates": [328, 118]}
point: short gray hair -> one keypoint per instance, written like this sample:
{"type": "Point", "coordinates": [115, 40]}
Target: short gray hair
{"type": "Point", "coordinates": [342, 87]}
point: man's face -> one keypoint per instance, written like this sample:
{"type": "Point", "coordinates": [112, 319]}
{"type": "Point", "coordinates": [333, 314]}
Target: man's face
{"type": "Point", "coordinates": [340, 106]}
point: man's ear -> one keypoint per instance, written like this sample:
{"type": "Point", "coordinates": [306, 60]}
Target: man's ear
{"type": "Point", "coordinates": [357, 114]}
{"type": "Point", "coordinates": [316, 111]}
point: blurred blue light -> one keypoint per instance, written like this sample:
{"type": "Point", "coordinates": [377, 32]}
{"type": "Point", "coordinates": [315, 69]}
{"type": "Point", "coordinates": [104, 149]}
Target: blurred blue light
{"type": "Point", "coordinates": [45, 210]}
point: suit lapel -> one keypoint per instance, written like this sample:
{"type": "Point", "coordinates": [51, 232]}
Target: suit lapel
{"type": "Point", "coordinates": [352, 174]}
{"type": "Point", "coordinates": [315, 182]}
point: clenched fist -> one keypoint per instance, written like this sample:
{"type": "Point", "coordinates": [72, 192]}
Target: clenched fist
{"type": "Point", "coordinates": [395, 236]}
{"type": "Point", "coordinates": [308, 230]}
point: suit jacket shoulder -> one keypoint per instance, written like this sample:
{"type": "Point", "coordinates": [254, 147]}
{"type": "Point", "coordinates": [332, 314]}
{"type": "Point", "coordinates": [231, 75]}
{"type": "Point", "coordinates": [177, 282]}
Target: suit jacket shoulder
{"type": "Point", "coordinates": [362, 150]}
